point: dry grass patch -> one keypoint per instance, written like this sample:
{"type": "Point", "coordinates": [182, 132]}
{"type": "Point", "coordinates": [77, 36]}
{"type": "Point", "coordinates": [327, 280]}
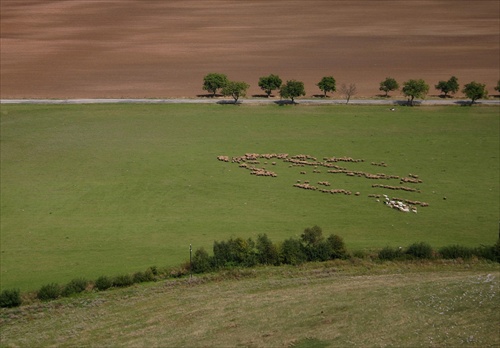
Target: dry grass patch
{"type": "Point", "coordinates": [331, 304]}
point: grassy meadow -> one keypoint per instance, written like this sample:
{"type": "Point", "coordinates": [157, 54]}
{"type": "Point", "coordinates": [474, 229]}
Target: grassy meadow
{"type": "Point", "coordinates": [90, 190]}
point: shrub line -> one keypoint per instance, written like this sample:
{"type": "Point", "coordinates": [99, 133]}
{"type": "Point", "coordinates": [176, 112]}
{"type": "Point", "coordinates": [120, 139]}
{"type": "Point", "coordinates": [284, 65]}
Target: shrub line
{"type": "Point", "coordinates": [236, 253]}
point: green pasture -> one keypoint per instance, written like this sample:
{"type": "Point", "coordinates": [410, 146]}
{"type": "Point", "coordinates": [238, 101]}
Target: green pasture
{"type": "Point", "coordinates": [90, 190]}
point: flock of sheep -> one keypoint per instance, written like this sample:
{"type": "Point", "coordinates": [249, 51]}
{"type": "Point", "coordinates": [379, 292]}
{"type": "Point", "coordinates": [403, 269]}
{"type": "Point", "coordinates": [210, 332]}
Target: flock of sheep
{"type": "Point", "coordinates": [250, 160]}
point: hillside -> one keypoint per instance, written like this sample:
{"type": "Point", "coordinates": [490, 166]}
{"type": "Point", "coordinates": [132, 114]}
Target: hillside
{"type": "Point", "coordinates": [341, 303]}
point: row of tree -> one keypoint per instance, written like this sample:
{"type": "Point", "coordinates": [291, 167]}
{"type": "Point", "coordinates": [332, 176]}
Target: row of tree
{"type": "Point", "coordinates": [311, 246]}
{"type": "Point", "coordinates": [292, 89]}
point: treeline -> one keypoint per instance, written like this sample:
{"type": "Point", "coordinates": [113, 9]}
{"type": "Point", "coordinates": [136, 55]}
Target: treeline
{"type": "Point", "coordinates": [237, 253]}
{"type": "Point", "coordinates": [424, 250]}
{"type": "Point", "coordinates": [413, 88]}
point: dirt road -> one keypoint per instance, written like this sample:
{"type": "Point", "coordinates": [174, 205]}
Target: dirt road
{"type": "Point", "coordinates": [315, 101]}
{"type": "Point", "coordinates": [162, 49]}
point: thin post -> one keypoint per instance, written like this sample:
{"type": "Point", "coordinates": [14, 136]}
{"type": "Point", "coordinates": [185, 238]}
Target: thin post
{"type": "Point", "coordinates": [190, 262]}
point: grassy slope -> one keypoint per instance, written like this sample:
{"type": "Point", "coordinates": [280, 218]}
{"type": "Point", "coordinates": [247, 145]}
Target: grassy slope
{"type": "Point", "coordinates": [331, 304]}
{"type": "Point", "coordinates": [105, 189]}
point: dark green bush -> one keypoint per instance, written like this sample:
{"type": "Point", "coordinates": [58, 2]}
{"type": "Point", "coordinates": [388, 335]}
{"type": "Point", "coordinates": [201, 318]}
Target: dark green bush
{"type": "Point", "coordinates": [201, 262]}
{"type": "Point", "coordinates": [318, 252]}
{"type": "Point", "coordinates": [143, 277]}
{"type": "Point", "coordinates": [268, 253]}
{"type": "Point", "coordinates": [360, 254]}
{"type": "Point", "coordinates": [317, 248]}
{"type": "Point", "coordinates": [149, 275]}
{"type": "Point", "coordinates": [49, 292]}
{"type": "Point", "coordinates": [420, 250]}
{"type": "Point", "coordinates": [336, 247]}
{"type": "Point", "coordinates": [180, 271]}
{"type": "Point", "coordinates": [74, 287]}
{"type": "Point", "coordinates": [312, 244]}
{"type": "Point", "coordinates": [139, 277]}
{"type": "Point", "coordinates": [234, 252]}
{"type": "Point", "coordinates": [222, 253]}
{"type": "Point", "coordinates": [488, 253]}
{"type": "Point", "coordinates": [312, 236]}
{"type": "Point", "coordinates": [10, 298]}
{"type": "Point", "coordinates": [292, 252]}
{"type": "Point", "coordinates": [103, 283]}
{"type": "Point", "coordinates": [389, 254]}
{"type": "Point", "coordinates": [154, 270]}
{"type": "Point", "coordinates": [123, 280]}
{"type": "Point", "coordinates": [455, 252]}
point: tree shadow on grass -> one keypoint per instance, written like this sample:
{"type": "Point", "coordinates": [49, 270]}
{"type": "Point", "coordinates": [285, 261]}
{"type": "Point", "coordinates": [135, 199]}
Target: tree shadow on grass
{"type": "Point", "coordinates": [209, 95]}
{"type": "Point", "coordinates": [262, 96]}
{"type": "Point", "coordinates": [285, 102]}
{"type": "Point", "coordinates": [229, 102]}
{"type": "Point", "coordinates": [407, 103]}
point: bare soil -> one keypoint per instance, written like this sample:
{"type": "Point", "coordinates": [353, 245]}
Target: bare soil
{"type": "Point", "coordinates": [158, 49]}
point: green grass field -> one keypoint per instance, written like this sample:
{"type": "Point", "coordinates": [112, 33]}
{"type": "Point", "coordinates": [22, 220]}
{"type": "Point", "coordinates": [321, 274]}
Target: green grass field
{"type": "Point", "coordinates": [88, 190]}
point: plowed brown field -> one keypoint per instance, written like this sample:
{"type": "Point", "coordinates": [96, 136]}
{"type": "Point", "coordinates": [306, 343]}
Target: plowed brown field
{"type": "Point", "coordinates": [153, 48]}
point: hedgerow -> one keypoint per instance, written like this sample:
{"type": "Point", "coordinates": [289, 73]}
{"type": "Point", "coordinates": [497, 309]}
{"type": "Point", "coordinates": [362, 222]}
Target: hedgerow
{"type": "Point", "coordinates": [239, 253]}
{"type": "Point", "coordinates": [455, 252]}
{"type": "Point", "coordinates": [49, 292]}
{"type": "Point", "coordinates": [74, 287]}
{"type": "Point", "coordinates": [103, 283]}
{"type": "Point", "coordinates": [420, 250]}
{"type": "Point", "coordinates": [389, 254]}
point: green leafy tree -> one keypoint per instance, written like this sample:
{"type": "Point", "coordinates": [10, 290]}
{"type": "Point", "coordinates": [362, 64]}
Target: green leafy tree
{"type": "Point", "coordinates": [450, 86]}
{"type": "Point", "coordinates": [292, 252]}
{"type": "Point", "coordinates": [336, 247]}
{"type": "Point", "coordinates": [497, 87]}
{"type": "Point", "coordinates": [268, 253]}
{"type": "Point", "coordinates": [234, 252]}
{"type": "Point", "coordinates": [222, 253]}
{"type": "Point", "coordinates": [312, 239]}
{"type": "Point", "coordinates": [415, 89]}
{"type": "Point", "coordinates": [327, 84]}
{"type": "Point", "coordinates": [235, 89]}
{"type": "Point", "coordinates": [312, 236]}
{"type": "Point", "coordinates": [475, 90]}
{"type": "Point", "coordinates": [270, 83]}
{"type": "Point", "coordinates": [201, 261]}
{"type": "Point", "coordinates": [292, 89]}
{"type": "Point", "coordinates": [213, 82]}
{"type": "Point", "coordinates": [388, 85]}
